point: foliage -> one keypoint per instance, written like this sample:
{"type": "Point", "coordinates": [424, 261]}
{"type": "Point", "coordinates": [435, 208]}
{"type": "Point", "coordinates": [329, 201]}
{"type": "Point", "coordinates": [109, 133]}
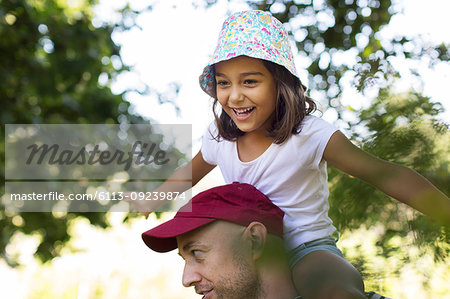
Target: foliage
{"type": "Point", "coordinates": [403, 129]}
{"type": "Point", "coordinates": [407, 270]}
{"type": "Point", "coordinates": [56, 68]}
{"type": "Point", "coordinates": [51, 61]}
{"type": "Point", "coordinates": [326, 30]}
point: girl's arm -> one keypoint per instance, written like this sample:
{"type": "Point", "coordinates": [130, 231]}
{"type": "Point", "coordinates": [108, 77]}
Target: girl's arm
{"type": "Point", "coordinates": [187, 176]}
{"type": "Point", "coordinates": [181, 180]}
{"type": "Point", "coordinates": [399, 182]}
{"type": "Point", "coordinates": [200, 168]}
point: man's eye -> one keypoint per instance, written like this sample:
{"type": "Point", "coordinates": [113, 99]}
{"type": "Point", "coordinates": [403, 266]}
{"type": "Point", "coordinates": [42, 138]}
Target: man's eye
{"type": "Point", "coordinates": [196, 253]}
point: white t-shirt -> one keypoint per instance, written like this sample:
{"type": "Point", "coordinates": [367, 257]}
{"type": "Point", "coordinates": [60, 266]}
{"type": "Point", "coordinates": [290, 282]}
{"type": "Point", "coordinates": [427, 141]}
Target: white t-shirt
{"type": "Point", "coordinates": [293, 175]}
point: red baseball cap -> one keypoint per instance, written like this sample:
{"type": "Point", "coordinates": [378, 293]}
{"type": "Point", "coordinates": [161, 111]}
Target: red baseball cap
{"type": "Point", "coordinates": [238, 203]}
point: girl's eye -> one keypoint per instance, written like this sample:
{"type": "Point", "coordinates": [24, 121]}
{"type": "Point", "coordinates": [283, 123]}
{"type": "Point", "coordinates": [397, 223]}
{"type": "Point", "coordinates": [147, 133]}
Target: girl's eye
{"type": "Point", "coordinates": [222, 83]}
{"type": "Point", "coordinates": [250, 82]}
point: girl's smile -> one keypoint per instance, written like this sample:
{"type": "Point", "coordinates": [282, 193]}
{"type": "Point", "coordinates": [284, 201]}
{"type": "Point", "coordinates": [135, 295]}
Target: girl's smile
{"type": "Point", "coordinates": [247, 92]}
{"type": "Point", "coordinates": [242, 113]}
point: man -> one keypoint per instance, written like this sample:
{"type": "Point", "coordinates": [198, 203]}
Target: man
{"type": "Point", "coordinates": [230, 238]}
{"type": "Point", "coordinates": [231, 243]}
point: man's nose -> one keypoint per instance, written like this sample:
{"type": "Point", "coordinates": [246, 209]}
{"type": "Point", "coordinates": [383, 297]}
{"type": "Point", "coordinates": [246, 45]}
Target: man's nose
{"type": "Point", "coordinates": [190, 276]}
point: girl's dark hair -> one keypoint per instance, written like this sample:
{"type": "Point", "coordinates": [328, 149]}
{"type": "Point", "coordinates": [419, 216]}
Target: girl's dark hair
{"type": "Point", "coordinates": [291, 108]}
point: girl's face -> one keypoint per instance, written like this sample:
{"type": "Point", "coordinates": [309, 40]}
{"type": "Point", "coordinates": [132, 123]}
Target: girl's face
{"type": "Point", "coordinates": [247, 92]}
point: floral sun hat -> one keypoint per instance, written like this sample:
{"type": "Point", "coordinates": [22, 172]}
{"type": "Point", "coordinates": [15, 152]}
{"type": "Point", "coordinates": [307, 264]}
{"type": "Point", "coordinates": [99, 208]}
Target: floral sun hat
{"type": "Point", "coordinates": [253, 33]}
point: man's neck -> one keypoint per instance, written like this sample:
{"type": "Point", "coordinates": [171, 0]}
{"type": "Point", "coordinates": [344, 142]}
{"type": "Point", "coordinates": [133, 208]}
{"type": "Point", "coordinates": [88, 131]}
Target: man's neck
{"type": "Point", "coordinates": [276, 282]}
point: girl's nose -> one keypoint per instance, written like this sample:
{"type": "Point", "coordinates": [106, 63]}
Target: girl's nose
{"type": "Point", "coordinates": [235, 95]}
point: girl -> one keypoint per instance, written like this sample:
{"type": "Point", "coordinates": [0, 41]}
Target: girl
{"type": "Point", "coordinates": [266, 136]}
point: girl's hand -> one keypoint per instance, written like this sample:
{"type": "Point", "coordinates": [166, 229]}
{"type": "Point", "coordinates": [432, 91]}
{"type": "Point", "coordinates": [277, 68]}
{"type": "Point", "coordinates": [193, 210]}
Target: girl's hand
{"type": "Point", "coordinates": [181, 180]}
{"type": "Point", "coordinates": [144, 207]}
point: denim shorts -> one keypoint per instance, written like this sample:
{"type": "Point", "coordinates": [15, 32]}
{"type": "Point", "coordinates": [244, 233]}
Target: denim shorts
{"type": "Point", "coordinates": [299, 252]}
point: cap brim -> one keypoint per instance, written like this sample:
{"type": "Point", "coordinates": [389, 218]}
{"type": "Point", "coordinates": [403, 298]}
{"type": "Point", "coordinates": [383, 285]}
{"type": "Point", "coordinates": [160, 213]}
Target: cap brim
{"type": "Point", "coordinates": [163, 237]}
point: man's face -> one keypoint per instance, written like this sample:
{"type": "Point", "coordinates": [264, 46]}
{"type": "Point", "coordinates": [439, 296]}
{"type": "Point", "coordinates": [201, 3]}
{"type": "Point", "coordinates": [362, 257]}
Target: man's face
{"type": "Point", "coordinates": [217, 263]}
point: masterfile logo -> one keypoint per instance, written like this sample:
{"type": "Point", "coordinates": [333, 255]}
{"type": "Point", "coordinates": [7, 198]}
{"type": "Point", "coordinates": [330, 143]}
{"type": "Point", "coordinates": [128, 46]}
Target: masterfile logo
{"type": "Point", "coordinates": [91, 167]}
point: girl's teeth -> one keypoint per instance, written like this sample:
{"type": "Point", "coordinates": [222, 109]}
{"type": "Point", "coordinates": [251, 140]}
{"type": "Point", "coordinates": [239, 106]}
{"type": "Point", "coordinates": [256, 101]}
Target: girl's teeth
{"type": "Point", "coordinates": [243, 111]}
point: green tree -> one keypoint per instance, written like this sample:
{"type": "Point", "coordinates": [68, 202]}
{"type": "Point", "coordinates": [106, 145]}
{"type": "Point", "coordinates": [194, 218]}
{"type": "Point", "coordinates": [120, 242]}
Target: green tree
{"type": "Point", "coordinates": [56, 68]}
{"type": "Point", "coordinates": [323, 30]}
{"type": "Point", "coordinates": [51, 59]}
{"type": "Point", "coordinates": [404, 129]}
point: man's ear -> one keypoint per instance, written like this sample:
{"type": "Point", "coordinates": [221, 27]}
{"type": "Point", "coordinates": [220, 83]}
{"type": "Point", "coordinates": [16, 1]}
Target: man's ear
{"type": "Point", "coordinates": [257, 235]}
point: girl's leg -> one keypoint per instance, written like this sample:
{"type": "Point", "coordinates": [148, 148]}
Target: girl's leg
{"type": "Point", "coordinates": [322, 274]}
